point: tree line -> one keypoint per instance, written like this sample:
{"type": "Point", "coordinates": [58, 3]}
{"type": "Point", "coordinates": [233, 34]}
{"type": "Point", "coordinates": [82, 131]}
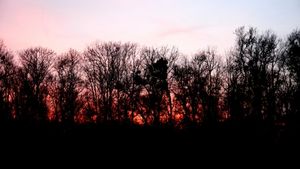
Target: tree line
{"type": "Point", "coordinates": [126, 83]}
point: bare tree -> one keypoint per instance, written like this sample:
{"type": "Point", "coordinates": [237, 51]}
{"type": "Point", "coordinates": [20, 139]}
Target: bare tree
{"type": "Point", "coordinates": [198, 85]}
{"type": "Point", "coordinates": [33, 76]}
{"type": "Point", "coordinates": [156, 77]}
{"type": "Point", "coordinates": [255, 74]}
{"type": "Point", "coordinates": [211, 98]}
{"type": "Point", "coordinates": [292, 56]}
{"type": "Point", "coordinates": [7, 75]}
{"type": "Point", "coordinates": [107, 70]}
{"type": "Point", "coordinates": [183, 88]}
{"type": "Point", "coordinates": [126, 89]}
{"type": "Point", "coordinates": [69, 86]}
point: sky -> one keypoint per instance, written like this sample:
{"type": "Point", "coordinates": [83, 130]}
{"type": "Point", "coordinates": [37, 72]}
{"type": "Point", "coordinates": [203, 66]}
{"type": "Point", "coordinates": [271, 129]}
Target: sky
{"type": "Point", "coordinates": [190, 25]}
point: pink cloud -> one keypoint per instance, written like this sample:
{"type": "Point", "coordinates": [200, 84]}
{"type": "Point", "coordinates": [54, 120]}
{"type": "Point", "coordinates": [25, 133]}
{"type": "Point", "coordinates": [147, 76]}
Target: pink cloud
{"type": "Point", "coordinates": [25, 24]}
{"type": "Point", "coordinates": [190, 38]}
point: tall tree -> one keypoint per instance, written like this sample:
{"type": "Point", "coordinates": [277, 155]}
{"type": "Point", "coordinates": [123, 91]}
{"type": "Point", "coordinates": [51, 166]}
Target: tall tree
{"type": "Point", "coordinates": [34, 74]}
{"type": "Point", "coordinates": [211, 97]}
{"type": "Point", "coordinates": [7, 75]}
{"type": "Point", "coordinates": [183, 88]}
{"type": "Point", "coordinates": [106, 70]}
{"type": "Point", "coordinates": [198, 85]}
{"type": "Point", "coordinates": [293, 64]}
{"type": "Point", "coordinates": [156, 76]}
{"type": "Point", "coordinates": [69, 86]}
{"type": "Point", "coordinates": [254, 74]}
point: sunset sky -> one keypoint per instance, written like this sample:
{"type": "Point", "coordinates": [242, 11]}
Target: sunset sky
{"type": "Point", "coordinates": [189, 25]}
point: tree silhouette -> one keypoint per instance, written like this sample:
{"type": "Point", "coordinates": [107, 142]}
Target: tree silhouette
{"type": "Point", "coordinates": [69, 86]}
{"type": "Point", "coordinates": [106, 69]}
{"type": "Point", "coordinates": [33, 78]}
{"type": "Point", "coordinates": [158, 67]}
{"type": "Point", "coordinates": [251, 98]}
{"type": "Point", "coordinates": [198, 85]}
{"type": "Point", "coordinates": [183, 89]}
{"type": "Point", "coordinates": [293, 64]}
{"type": "Point", "coordinates": [7, 78]}
{"type": "Point", "coordinates": [254, 75]}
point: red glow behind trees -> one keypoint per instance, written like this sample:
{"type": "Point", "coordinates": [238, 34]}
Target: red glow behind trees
{"type": "Point", "coordinates": [121, 82]}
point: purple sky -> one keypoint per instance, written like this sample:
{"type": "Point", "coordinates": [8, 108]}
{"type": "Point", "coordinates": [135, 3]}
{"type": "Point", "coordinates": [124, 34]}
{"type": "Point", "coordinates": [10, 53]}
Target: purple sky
{"type": "Point", "coordinates": [189, 25]}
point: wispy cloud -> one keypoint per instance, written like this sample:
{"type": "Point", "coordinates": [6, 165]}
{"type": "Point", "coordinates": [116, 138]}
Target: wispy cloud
{"type": "Point", "coordinates": [178, 30]}
{"type": "Point", "coordinates": [186, 24]}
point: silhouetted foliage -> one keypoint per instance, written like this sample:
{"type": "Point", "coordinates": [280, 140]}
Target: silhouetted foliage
{"type": "Point", "coordinates": [158, 66]}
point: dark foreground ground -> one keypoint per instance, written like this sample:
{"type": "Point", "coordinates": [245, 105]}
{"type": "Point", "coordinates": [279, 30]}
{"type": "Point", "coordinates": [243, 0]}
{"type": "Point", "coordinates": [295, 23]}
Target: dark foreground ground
{"type": "Point", "coordinates": [244, 141]}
